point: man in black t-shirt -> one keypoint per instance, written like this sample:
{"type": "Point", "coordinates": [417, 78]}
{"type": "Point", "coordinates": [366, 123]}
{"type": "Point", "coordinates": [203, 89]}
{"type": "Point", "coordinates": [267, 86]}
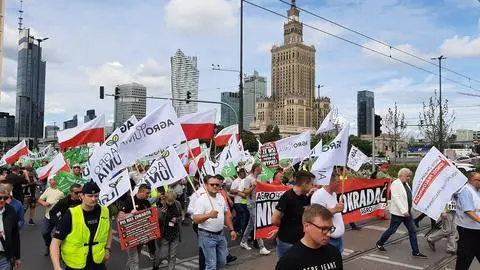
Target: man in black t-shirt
{"type": "Point", "coordinates": [289, 210]}
{"type": "Point", "coordinates": [313, 251]}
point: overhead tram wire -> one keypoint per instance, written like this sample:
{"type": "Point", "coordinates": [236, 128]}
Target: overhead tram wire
{"type": "Point", "coordinates": [364, 47]}
{"type": "Point", "coordinates": [382, 42]}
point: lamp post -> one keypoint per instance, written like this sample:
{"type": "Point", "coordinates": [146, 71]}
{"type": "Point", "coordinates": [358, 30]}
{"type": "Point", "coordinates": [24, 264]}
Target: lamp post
{"type": "Point", "coordinates": [318, 109]}
{"type": "Point", "coordinates": [440, 125]}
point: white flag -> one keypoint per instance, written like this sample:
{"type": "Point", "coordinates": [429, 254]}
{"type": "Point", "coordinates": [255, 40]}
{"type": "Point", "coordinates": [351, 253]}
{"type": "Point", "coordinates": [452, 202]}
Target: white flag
{"type": "Point", "coordinates": [106, 160]}
{"type": "Point", "coordinates": [114, 188]}
{"type": "Point", "coordinates": [165, 170]}
{"type": "Point", "coordinates": [230, 153]}
{"type": "Point", "coordinates": [45, 153]}
{"type": "Point", "coordinates": [157, 130]}
{"type": "Point", "coordinates": [322, 177]}
{"type": "Point", "coordinates": [297, 146]}
{"type": "Point", "coordinates": [435, 181]}
{"type": "Point", "coordinates": [334, 153]}
{"type": "Point", "coordinates": [316, 150]}
{"type": "Point", "coordinates": [326, 125]}
{"type": "Point", "coordinates": [356, 158]}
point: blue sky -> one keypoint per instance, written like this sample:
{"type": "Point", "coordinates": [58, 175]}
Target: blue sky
{"type": "Point", "coordinates": [109, 42]}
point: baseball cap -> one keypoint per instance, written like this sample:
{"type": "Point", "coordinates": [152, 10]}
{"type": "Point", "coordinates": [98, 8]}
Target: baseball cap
{"type": "Point", "coordinates": [76, 165]}
{"type": "Point", "coordinates": [90, 188]}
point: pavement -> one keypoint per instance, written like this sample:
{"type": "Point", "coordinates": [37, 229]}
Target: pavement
{"type": "Point", "coordinates": [360, 252]}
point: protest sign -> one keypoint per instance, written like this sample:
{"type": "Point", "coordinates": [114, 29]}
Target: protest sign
{"type": "Point", "coordinates": [267, 197]}
{"type": "Point", "coordinates": [269, 155]}
{"type": "Point", "coordinates": [364, 198]}
{"type": "Point", "coordinates": [138, 228]}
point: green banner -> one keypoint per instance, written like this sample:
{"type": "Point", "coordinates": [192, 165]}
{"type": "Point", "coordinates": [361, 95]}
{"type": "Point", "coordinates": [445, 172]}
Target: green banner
{"type": "Point", "coordinates": [229, 170]}
{"type": "Point", "coordinates": [77, 155]}
{"type": "Point", "coordinates": [65, 180]}
{"type": "Point", "coordinates": [267, 173]}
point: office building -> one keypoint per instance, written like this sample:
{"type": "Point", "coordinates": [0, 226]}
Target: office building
{"type": "Point", "coordinates": [365, 105]}
{"type": "Point", "coordinates": [184, 78]}
{"type": "Point", "coordinates": [254, 88]}
{"type": "Point", "coordinates": [51, 132]}
{"type": "Point", "coordinates": [131, 100]}
{"type": "Point", "coordinates": [30, 102]}
{"type": "Point", "coordinates": [227, 117]}
{"type": "Point", "coordinates": [89, 116]}
{"type": "Point", "coordinates": [7, 125]}
{"type": "Point", "coordinates": [71, 123]}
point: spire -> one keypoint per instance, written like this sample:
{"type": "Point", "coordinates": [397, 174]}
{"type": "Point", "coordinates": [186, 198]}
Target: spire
{"type": "Point", "coordinates": [20, 17]}
{"type": "Point", "coordinates": [293, 4]}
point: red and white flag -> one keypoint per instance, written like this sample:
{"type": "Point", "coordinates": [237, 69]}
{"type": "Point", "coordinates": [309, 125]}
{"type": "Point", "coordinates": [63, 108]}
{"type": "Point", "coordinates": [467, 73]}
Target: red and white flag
{"type": "Point", "coordinates": [194, 145]}
{"type": "Point", "coordinates": [195, 164]}
{"type": "Point", "coordinates": [224, 135]}
{"type": "Point", "coordinates": [90, 132]}
{"type": "Point", "coordinates": [57, 164]}
{"type": "Point", "coordinates": [15, 153]}
{"type": "Point", "coordinates": [199, 125]}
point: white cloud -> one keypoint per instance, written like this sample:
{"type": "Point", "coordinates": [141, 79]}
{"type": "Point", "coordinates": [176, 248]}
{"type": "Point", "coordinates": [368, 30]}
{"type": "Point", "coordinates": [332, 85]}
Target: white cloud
{"type": "Point", "coordinates": [205, 16]}
{"type": "Point", "coordinates": [458, 47]}
{"type": "Point", "coordinates": [7, 101]}
{"type": "Point", "coordinates": [265, 47]}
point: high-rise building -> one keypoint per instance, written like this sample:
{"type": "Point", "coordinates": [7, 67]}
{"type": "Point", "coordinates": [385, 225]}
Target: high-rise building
{"type": "Point", "coordinates": [365, 104]}
{"type": "Point", "coordinates": [7, 125]}
{"type": "Point", "coordinates": [184, 77]}
{"type": "Point", "coordinates": [292, 104]}
{"type": "Point", "coordinates": [30, 103]}
{"type": "Point", "coordinates": [126, 105]}
{"type": "Point", "coordinates": [71, 123]}
{"type": "Point", "coordinates": [89, 116]}
{"type": "Point", "coordinates": [227, 117]}
{"type": "Point", "coordinates": [254, 88]}
{"type": "Point", "coordinates": [51, 132]}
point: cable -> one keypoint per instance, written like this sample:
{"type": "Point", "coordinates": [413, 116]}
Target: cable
{"type": "Point", "coordinates": [364, 47]}
{"type": "Point", "coordinates": [381, 42]}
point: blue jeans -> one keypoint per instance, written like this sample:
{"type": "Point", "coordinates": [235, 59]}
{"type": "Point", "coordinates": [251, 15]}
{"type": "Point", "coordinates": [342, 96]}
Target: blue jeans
{"type": "Point", "coordinates": [282, 247]}
{"type": "Point", "coordinates": [241, 219]}
{"type": "Point", "coordinates": [214, 248]}
{"type": "Point", "coordinates": [337, 242]}
{"type": "Point", "coordinates": [5, 263]}
{"type": "Point", "coordinates": [47, 229]}
{"type": "Point", "coordinates": [394, 224]}
{"type": "Point", "coordinates": [251, 226]}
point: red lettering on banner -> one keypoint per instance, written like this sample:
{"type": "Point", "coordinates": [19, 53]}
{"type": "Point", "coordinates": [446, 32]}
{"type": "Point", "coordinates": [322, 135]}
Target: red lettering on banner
{"type": "Point", "coordinates": [430, 178]}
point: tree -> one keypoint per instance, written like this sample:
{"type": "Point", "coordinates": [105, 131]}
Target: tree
{"type": "Point", "coordinates": [429, 121]}
{"type": "Point", "coordinates": [363, 145]}
{"type": "Point", "coordinates": [271, 134]}
{"type": "Point", "coordinates": [249, 141]}
{"type": "Point", "coordinates": [395, 126]}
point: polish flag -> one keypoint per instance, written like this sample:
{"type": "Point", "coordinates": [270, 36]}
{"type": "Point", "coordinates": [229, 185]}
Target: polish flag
{"type": "Point", "coordinates": [224, 135]}
{"type": "Point", "coordinates": [194, 145]}
{"type": "Point", "coordinates": [199, 125]}
{"type": "Point", "coordinates": [57, 164]}
{"type": "Point", "coordinates": [199, 160]}
{"type": "Point", "coordinates": [15, 153]}
{"type": "Point", "coordinates": [90, 132]}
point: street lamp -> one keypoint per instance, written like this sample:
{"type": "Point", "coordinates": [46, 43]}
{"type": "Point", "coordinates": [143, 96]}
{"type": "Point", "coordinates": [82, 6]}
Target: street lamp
{"type": "Point", "coordinates": [440, 133]}
{"type": "Point", "coordinates": [318, 109]}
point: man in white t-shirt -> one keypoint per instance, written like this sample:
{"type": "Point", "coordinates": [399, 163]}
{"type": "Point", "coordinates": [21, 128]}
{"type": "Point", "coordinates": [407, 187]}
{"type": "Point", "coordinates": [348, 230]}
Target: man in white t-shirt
{"type": "Point", "coordinates": [240, 202]}
{"type": "Point", "coordinates": [327, 196]}
{"type": "Point", "coordinates": [210, 213]}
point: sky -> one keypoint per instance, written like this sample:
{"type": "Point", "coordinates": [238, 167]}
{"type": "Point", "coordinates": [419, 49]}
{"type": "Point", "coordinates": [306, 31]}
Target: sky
{"type": "Point", "coordinates": [110, 42]}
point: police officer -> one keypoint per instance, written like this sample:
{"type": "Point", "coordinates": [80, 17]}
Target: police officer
{"type": "Point", "coordinates": [83, 236]}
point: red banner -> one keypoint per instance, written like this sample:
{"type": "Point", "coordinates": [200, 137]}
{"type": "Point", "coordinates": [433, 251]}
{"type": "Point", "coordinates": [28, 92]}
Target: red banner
{"type": "Point", "coordinates": [267, 197]}
{"type": "Point", "coordinates": [364, 198]}
{"type": "Point", "coordinates": [139, 228]}
{"type": "Point", "coordinates": [269, 155]}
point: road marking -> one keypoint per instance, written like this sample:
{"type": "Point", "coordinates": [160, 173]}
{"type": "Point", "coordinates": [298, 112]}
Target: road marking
{"type": "Point", "coordinates": [347, 252]}
{"type": "Point", "coordinates": [189, 264]}
{"type": "Point", "coordinates": [143, 251]}
{"type": "Point", "coordinates": [421, 235]}
{"type": "Point", "coordinates": [179, 267]}
{"type": "Point", "coordinates": [392, 262]}
{"type": "Point", "coordinates": [382, 229]}
{"type": "Point", "coordinates": [379, 256]}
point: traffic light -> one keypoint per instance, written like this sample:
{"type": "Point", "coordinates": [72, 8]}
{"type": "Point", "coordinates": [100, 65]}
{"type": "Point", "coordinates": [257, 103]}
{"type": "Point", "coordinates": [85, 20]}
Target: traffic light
{"type": "Point", "coordinates": [378, 125]}
{"type": "Point", "coordinates": [117, 93]}
{"type": "Point", "coordinates": [102, 92]}
{"type": "Point", "coordinates": [189, 96]}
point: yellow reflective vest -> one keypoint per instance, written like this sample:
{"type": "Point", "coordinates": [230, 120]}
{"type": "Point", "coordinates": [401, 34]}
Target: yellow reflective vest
{"type": "Point", "coordinates": [75, 246]}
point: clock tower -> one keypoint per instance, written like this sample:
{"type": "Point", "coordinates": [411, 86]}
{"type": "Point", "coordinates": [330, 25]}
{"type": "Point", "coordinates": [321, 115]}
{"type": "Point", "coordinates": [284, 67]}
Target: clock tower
{"type": "Point", "coordinates": [293, 29]}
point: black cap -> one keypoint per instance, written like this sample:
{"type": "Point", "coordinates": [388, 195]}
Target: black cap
{"type": "Point", "coordinates": [90, 188]}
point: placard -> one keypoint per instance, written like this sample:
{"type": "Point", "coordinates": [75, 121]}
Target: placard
{"type": "Point", "coordinates": [139, 228]}
{"type": "Point", "coordinates": [269, 155]}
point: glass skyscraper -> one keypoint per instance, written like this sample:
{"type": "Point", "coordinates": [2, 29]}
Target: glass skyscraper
{"type": "Point", "coordinates": [365, 104]}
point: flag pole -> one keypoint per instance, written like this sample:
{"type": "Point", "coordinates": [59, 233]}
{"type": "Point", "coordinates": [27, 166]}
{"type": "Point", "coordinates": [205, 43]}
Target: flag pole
{"type": "Point", "coordinates": [133, 200]}
{"type": "Point", "coordinates": [196, 170]}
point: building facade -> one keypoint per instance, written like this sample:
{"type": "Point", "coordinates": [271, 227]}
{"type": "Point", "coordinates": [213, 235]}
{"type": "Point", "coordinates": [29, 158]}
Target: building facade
{"type": "Point", "coordinates": [125, 105]}
{"type": "Point", "coordinates": [51, 132]}
{"type": "Point", "coordinates": [7, 125]}
{"type": "Point", "coordinates": [227, 117]}
{"type": "Point", "coordinates": [365, 105]}
{"type": "Point", "coordinates": [71, 123]}
{"type": "Point", "coordinates": [30, 101]}
{"type": "Point", "coordinates": [254, 88]}
{"type": "Point", "coordinates": [89, 116]}
{"type": "Point", "coordinates": [292, 104]}
{"type": "Point", "coordinates": [464, 135]}
{"type": "Point", "coordinates": [184, 78]}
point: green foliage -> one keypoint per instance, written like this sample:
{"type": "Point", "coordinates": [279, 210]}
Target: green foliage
{"type": "Point", "coordinates": [271, 134]}
{"type": "Point", "coordinates": [313, 141]}
{"type": "Point", "coordinates": [363, 145]}
{"type": "Point", "coordinates": [249, 141]}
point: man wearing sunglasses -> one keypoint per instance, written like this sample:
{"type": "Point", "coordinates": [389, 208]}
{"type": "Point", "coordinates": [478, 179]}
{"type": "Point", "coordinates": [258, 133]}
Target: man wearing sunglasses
{"type": "Point", "coordinates": [83, 236]}
{"type": "Point", "coordinates": [61, 207]}
{"type": "Point", "coordinates": [211, 215]}
{"type": "Point", "coordinates": [313, 251]}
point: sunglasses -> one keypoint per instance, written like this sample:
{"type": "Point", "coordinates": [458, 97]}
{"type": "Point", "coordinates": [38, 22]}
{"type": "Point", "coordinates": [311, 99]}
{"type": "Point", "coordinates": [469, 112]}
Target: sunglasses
{"type": "Point", "coordinates": [4, 198]}
{"type": "Point", "coordinates": [77, 192]}
{"type": "Point", "coordinates": [325, 229]}
{"type": "Point", "coordinates": [214, 185]}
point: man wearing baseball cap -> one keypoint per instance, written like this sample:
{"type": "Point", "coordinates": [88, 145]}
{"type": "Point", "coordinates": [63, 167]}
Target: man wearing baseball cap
{"type": "Point", "coordinates": [85, 229]}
